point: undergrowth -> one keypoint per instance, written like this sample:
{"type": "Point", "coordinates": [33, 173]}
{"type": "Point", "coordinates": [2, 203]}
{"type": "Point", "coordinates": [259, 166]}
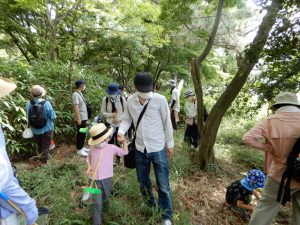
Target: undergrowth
{"type": "Point", "coordinates": [58, 187]}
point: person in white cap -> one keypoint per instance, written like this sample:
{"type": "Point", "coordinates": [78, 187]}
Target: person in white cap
{"type": "Point", "coordinates": [9, 185]}
{"type": "Point", "coordinates": [276, 135]}
{"type": "Point", "coordinates": [174, 104]}
{"type": "Point", "coordinates": [41, 118]}
{"type": "Point", "coordinates": [191, 134]}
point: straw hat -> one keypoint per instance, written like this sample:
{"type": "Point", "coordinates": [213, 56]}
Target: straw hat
{"type": "Point", "coordinates": [189, 93]}
{"type": "Point", "coordinates": [37, 91]}
{"type": "Point", "coordinates": [286, 98]}
{"type": "Point", "coordinates": [99, 133]}
{"type": "Point", "coordinates": [6, 86]}
{"type": "Point", "coordinates": [172, 83]}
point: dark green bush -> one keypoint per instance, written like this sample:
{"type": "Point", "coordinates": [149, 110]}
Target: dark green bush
{"type": "Point", "coordinates": [59, 81]}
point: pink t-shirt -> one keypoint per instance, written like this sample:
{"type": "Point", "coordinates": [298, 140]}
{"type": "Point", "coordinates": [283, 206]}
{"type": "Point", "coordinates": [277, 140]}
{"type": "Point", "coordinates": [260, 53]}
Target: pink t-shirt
{"type": "Point", "coordinates": [106, 167]}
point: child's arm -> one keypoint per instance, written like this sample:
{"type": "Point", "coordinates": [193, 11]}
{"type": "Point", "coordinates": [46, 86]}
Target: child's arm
{"type": "Point", "coordinates": [124, 150]}
{"type": "Point", "coordinates": [256, 194]}
{"type": "Point", "coordinates": [242, 205]}
{"type": "Point", "coordinates": [89, 170]}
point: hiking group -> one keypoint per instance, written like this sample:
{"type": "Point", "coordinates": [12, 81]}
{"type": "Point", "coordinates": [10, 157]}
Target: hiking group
{"type": "Point", "coordinates": [147, 120]}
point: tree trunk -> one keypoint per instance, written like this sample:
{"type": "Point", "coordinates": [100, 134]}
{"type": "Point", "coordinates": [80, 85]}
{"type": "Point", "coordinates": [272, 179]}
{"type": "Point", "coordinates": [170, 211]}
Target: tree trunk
{"type": "Point", "coordinates": [196, 65]}
{"type": "Point", "coordinates": [252, 55]}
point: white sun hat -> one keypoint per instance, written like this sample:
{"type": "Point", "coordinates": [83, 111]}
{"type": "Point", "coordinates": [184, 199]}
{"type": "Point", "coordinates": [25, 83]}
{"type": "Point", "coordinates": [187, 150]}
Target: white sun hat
{"type": "Point", "coordinates": [6, 86]}
{"type": "Point", "coordinates": [37, 91]}
{"type": "Point", "coordinates": [286, 98]}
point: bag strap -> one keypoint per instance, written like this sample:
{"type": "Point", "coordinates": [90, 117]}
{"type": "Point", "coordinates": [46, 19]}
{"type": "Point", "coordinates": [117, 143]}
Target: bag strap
{"type": "Point", "coordinates": [121, 99]}
{"type": "Point", "coordinates": [97, 167]}
{"type": "Point", "coordinates": [81, 95]}
{"type": "Point", "coordinates": [139, 119]}
{"type": "Point", "coordinates": [106, 99]}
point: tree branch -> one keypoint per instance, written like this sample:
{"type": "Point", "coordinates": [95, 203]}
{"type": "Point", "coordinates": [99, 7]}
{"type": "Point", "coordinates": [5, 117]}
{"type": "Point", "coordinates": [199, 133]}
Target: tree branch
{"type": "Point", "coordinates": [212, 34]}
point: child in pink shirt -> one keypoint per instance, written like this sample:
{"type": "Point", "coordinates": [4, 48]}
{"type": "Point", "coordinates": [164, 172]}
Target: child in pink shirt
{"type": "Point", "coordinates": [103, 154]}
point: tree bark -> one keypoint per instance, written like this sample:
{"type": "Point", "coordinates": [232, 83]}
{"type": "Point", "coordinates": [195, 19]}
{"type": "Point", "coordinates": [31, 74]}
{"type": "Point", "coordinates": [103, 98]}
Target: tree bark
{"type": "Point", "coordinates": [195, 70]}
{"type": "Point", "coordinates": [252, 55]}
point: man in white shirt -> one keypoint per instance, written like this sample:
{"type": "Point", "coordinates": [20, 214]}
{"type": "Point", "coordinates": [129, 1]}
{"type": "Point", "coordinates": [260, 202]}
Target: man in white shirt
{"type": "Point", "coordinates": [154, 141]}
{"type": "Point", "coordinates": [174, 104]}
{"type": "Point", "coordinates": [9, 185]}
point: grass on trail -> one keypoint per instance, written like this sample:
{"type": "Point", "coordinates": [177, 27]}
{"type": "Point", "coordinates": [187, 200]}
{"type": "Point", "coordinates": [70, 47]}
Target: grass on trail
{"type": "Point", "coordinates": [198, 197]}
{"type": "Point", "coordinates": [58, 186]}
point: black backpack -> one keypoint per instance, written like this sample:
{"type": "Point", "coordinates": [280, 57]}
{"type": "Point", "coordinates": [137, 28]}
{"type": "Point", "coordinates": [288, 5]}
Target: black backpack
{"type": "Point", "coordinates": [292, 171]}
{"type": "Point", "coordinates": [113, 104]}
{"type": "Point", "coordinates": [36, 114]}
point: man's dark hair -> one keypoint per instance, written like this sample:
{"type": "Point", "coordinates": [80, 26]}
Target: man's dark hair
{"type": "Point", "coordinates": [78, 83]}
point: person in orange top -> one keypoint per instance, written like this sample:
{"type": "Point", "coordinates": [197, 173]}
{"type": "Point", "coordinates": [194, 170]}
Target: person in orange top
{"type": "Point", "coordinates": [276, 136]}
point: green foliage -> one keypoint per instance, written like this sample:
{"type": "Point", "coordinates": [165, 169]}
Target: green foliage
{"type": "Point", "coordinates": [233, 129]}
{"type": "Point", "coordinates": [279, 70]}
{"type": "Point", "coordinates": [59, 81]}
{"type": "Point", "coordinates": [58, 187]}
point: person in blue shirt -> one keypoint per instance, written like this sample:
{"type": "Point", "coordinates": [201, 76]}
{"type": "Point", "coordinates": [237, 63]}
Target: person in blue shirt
{"type": "Point", "coordinates": [43, 134]}
{"type": "Point", "coordinates": [9, 185]}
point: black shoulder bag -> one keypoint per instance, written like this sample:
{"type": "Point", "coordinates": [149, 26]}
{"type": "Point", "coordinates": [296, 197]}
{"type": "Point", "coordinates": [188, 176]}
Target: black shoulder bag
{"type": "Point", "coordinates": [292, 172]}
{"type": "Point", "coordinates": [129, 159]}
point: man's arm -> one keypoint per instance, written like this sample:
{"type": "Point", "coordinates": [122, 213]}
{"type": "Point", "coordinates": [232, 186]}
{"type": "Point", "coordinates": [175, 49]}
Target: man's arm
{"type": "Point", "coordinates": [51, 113]}
{"type": "Point", "coordinates": [165, 115]}
{"type": "Point", "coordinates": [76, 102]}
{"type": "Point", "coordinates": [256, 136]}
{"type": "Point", "coordinates": [3, 172]}
{"type": "Point", "coordinates": [126, 122]}
{"type": "Point", "coordinates": [22, 200]}
{"type": "Point", "coordinates": [77, 114]}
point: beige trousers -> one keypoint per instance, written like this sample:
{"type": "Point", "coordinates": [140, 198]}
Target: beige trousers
{"type": "Point", "coordinates": [267, 208]}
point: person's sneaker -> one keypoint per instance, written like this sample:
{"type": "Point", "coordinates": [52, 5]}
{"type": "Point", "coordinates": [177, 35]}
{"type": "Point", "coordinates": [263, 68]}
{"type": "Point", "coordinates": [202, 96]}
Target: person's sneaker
{"type": "Point", "coordinates": [82, 153]}
{"type": "Point", "coordinates": [167, 222]}
{"type": "Point", "coordinates": [85, 149]}
{"type": "Point", "coordinates": [52, 145]}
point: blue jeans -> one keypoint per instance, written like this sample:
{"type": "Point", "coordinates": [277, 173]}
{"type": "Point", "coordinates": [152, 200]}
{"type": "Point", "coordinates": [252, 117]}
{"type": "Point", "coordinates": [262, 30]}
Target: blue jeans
{"type": "Point", "coordinates": [161, 170]}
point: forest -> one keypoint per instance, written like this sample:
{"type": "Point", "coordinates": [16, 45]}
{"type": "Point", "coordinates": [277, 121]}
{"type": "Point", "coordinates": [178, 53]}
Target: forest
{"type": "Point", "coordinates": [237, 55]}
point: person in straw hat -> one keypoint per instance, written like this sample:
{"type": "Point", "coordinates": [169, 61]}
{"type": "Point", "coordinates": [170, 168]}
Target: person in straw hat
{"type": "Point", "coordinates": [41, 118]}
{"type": "Point", "coordinates": [100, 165]}
{"type": "Point", "coordinates": [9, 185]}
{"type": "Point", "coordinates": [276, 136]}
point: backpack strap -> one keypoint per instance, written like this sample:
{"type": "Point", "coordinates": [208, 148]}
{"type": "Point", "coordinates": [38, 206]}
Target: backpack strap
{"type": "Point", "coordinates": [42, 102]}
{"type": "Point", "coordinates": [106, 99]}
{"type": "Point", "coordinates": [121, 99]}
{"type": "Point", "coordinates": [32, 102]}
{"type": "Point", "coordinates": [280, 191]}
